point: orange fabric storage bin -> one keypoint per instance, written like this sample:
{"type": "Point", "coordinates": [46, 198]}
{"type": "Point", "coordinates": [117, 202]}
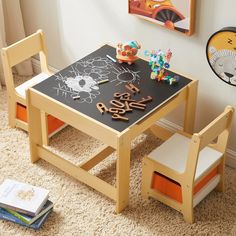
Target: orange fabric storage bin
{"type": "Point", "coordinates": [167, 186]}
{"type": "Point", "coordinates": [53, 123]}
{"type": "Point", "coordinates": [172, 189]}
{"type": "Point", "coordinates": [21, 112]}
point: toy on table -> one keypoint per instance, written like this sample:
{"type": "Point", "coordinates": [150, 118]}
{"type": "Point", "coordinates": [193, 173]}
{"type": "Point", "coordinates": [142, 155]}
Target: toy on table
{"type": "Point", "coordinates": [132, 88]}
{"type": "Point", "coordinates": [126, 52]}
{"type": "Point", "coordinates": [102, 107]}
{"type": "Point", "coordinates": [124, 103]}
{"type": "Point", "coordinates": [159, 61]}
{"type": "Point", "coordinates": [116, 116]}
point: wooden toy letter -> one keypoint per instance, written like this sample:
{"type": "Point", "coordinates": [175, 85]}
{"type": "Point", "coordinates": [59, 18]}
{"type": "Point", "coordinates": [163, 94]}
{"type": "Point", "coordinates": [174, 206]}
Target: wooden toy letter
{"type": "Point", "coordinates": [101, 107]}
{"type": "Point", "coordinates": [121, 95]}
{"type": "Point", "coordinates": [145, 100]}
{"type": "Point", "coordinates": [136, 105]}
{"type": "Point", "coordinates": [119, 117]}
{"type": "Point", "coordinates": [127, 108]}
{"type": "Point", "coordinates": [132, 88]}
{"type": "Point", "coordinates": [117, 110]}
{"type": "Point", "coordinates": [116, 103]}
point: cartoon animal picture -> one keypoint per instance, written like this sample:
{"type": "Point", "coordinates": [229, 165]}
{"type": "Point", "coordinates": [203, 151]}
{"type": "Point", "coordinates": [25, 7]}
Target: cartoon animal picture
{"type": "Point", "coordinates": [224, 64]}
{"type": "Point", "coordinates": [172, 14]}
{"type": "Point", "coordinates": [221, 54]}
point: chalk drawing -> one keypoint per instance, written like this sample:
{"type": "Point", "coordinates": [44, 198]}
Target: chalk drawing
{"type": "Point", "coordinates": [96, 73]}
{"type": "Point", "coordinates": [82, 78]}
{"type": "Point", "coordinates": [125, 75]}
{"type": "Point", "coordinates": [97, 62]}
{"type": "Point", "coordinates": [78, 82]}
{"type": "Point", "coordinates": [82, 83]}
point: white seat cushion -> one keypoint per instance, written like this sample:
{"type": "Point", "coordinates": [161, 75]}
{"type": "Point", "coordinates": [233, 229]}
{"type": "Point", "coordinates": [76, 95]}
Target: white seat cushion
{"type": "Point", "coordinates": [173, 153]}
{"type": "Point", "coordinates": [31, 82]}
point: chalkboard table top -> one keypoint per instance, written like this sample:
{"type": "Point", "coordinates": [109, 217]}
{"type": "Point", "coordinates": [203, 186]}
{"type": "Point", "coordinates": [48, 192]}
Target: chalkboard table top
{"type": "Point", "coordinates": [81, 79]}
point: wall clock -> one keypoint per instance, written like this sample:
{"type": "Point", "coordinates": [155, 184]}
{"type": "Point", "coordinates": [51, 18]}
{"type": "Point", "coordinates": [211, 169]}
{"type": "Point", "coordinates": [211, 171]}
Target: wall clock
{"type": "Point", "coordinates": [221, 54]}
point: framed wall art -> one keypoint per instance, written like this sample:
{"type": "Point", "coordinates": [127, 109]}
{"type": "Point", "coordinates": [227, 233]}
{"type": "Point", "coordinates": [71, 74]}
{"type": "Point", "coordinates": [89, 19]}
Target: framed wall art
{"type": "Point", "coordinates": [221, 54]}
{"type": "Point", "coordinates": [176, 15]}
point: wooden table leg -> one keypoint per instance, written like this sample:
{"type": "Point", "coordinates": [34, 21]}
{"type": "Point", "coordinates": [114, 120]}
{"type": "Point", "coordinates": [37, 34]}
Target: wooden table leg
{"type": "Point", "coordinates": [122, 172]}
{"type": "Point", "coordinates": [44, 120]}
{"type": "Point", "coordinates": [35, 128]}
{"type": "Point", "coordinates": [190, 108]}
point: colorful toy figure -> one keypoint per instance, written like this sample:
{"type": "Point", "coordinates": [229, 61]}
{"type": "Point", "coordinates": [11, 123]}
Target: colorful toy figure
{"type": "Point", "coordinates": [159, 61]}
{"type": "Point", "coordinates": [126, 52]}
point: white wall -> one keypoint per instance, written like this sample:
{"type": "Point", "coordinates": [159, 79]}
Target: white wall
{"type": "Point", "coordinates": [74, 28]}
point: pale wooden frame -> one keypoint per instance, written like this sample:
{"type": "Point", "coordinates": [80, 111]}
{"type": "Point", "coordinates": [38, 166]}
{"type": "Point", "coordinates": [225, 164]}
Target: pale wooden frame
{"type": "Point", "coordinates": [192, 18]}
{"type": "Point", "coordinates": [219, 128]}
{"type": "Point", "coordinates": [119, 141]}
{"type": "Point", "coordinates": [11, 56]}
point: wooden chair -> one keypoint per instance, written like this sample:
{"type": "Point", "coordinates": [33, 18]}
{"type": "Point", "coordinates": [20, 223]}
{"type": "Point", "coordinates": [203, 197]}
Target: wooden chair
{"type": "Point", "coordinates": [185, 168]}
{"type": "Point", "coordinates": [13, 55]}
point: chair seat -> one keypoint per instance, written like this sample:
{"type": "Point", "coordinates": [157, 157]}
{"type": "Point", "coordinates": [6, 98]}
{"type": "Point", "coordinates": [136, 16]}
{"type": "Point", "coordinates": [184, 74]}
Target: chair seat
{"type": "Point", "coordinates": [173, 153]}
{"type": "Point", "coordinates": [31, 82]}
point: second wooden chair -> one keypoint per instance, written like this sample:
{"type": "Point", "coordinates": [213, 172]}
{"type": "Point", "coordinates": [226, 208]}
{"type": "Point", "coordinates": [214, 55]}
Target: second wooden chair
{"type": "Point", "coordinates": [184, 169]}
{"type": "Point", "coordinates": [13, 55]}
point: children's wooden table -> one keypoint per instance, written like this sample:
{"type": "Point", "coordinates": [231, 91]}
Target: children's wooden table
{"type": "Point", "coordinates": [57, 96]}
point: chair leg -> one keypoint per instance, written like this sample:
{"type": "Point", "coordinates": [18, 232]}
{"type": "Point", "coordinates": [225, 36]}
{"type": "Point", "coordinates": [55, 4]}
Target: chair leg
{"type": "Point", "coordinates": [44, 121]}
{"type": "Point", "coordinates": [188, 216]}
{"type": "Point", "coordinates": [11, 113]}
{"type": "Point", "coordinates": [147, 173]}
{"type": "Point", "coordinates": [187, 204]}
{"type": "Point", "coordinates": [221, 171]}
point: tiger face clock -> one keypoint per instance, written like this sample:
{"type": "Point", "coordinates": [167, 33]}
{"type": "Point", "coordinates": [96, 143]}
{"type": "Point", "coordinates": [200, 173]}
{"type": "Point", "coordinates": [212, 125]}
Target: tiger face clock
{"type": "Point", "coordinates": [221, 54]}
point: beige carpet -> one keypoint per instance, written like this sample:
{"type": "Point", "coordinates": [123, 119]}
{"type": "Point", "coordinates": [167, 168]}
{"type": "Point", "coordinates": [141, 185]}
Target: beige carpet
{"type": "Point", "coordinates": [79, 210]}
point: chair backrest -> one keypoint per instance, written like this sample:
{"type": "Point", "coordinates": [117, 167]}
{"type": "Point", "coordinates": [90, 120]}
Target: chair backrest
{"type": "Point", "coordinates": [218, 129]}
{"type": "Point", "coordinates": [22, 50]}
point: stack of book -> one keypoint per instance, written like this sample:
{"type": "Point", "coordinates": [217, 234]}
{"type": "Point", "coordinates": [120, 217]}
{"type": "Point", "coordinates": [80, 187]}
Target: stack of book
{"type": "Point", "coordinates": [24, 204]}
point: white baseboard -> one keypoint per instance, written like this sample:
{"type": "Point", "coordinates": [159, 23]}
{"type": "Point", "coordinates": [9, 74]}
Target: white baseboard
{"type": "Point", "coordinates": [231, 158]}
{"type": "Point", "coordinates": [230, 154]}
